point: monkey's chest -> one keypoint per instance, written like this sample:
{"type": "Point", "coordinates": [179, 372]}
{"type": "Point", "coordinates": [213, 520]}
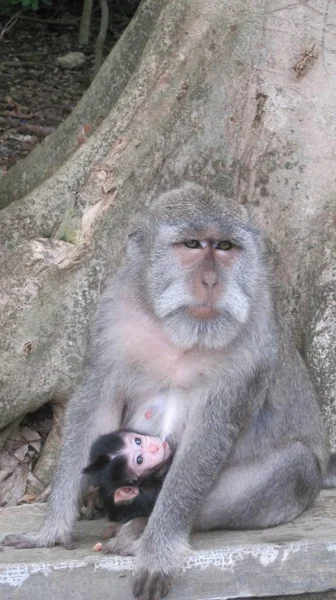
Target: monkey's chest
{"type": "Point", "coordinates": [152, 355]}
{"type": "Point", "coordinates": [162, 414]}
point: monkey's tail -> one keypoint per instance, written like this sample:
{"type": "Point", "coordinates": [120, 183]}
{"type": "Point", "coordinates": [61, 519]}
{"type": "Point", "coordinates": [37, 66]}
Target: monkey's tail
{"type": "Point", "coordinates": [330, 479]}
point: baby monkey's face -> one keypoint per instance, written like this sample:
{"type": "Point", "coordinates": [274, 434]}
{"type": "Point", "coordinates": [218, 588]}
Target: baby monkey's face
{"type": "Point", "coordinates": [145, 453]}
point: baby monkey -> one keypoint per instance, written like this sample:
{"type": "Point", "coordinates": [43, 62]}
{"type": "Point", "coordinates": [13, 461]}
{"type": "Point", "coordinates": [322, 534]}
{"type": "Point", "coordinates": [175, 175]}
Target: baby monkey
{"type": "Point", "coordinates": [127, 469]}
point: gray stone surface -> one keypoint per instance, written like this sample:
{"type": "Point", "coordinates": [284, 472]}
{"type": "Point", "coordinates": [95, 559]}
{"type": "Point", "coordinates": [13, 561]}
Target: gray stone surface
{"type": "Point", "coordinates": [293, 559]}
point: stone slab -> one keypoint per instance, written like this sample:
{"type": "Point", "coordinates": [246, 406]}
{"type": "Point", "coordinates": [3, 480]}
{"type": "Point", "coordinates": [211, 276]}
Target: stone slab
{"type": "Point", "coordinates": [298, 558]}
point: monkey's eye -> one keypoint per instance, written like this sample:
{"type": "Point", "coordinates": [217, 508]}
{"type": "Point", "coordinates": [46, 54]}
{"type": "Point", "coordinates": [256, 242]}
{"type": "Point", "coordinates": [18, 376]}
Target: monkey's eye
{"type": "Point", "coordinates": [224, 245]}
{"type": "Point", "coordinates": [138, 441]}
{"type": "Point", "coordinates": [139, 459]}
{"type": "Point", "coordinates": [192, 244]}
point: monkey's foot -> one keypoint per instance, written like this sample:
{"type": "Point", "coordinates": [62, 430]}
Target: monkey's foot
{"type": "Point", "coordinates": [151, 586]}
{"type": "Point", "coordinates": [120, 546]}
{"type": "Point", "coordinates": [38, 540]}
{"type": "Point", "coordinates": [126, 540]}
{"type": "Point", "coordinates": [111, 531]}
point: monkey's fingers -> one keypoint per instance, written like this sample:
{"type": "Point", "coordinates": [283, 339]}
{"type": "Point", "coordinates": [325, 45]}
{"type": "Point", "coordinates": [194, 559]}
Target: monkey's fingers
{"type": "Point", "coordinates": [119, 546]}
{"type": "Point", "coordinates": [24, 540]}
{"type": "Point", "coordinates": [151, 586]}
{"type": "Point", "coordinates": [68, 543]}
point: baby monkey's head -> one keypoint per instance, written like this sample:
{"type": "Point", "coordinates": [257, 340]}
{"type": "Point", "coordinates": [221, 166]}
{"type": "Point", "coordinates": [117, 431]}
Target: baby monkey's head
{"type": "Point", "coordinates": [121, 460]}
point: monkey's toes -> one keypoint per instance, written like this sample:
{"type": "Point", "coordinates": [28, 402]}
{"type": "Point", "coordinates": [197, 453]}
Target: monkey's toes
{"type": "Point", "coordinates": [69, 544]}
{"type": "Point", "coordinates": [151, 586]}
{"type": "Point", "coordinates": [11, 540]}
{"type": "Point", "coordinates": [120, 547]}
{"type": "Point", "coordinates": [20, 541]}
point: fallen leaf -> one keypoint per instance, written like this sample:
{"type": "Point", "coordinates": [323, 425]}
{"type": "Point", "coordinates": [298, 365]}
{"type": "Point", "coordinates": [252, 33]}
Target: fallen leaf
{"type": "Point", "coordinates": [27, 499]}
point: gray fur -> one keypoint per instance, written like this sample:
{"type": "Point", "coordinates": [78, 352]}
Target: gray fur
{"type": "Point", "coordinates": [251, 449]}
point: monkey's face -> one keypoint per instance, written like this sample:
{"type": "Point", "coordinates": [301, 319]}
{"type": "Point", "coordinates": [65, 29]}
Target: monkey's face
{"type": "Point", "coordinates": [203, 281]}
{"type": "Point", "coordinates": [144, 453]}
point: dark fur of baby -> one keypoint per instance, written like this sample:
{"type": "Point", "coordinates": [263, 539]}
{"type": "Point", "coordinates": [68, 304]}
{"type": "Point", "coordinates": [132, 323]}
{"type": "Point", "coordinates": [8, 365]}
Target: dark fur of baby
{"type": "Point", "coordinates": [126, 471]}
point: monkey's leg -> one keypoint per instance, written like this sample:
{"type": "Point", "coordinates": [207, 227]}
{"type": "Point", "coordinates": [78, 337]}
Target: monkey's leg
{"type": "Point", "coordinates": [92, 503]}
{"type": "Point", "coordinates": [88, 417]}
{"type": "Point", "coordinates": [263, 494]}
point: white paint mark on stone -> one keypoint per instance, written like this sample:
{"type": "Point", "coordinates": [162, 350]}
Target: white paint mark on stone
{"type": "Point", "coordinates": [227, 558]}
{"type": "Point", "coordinates": [331, 547]}
{"type": "Point", "coordinates": [16, 574]}
{"type": "Point", "coordinates": [224, 559]}
{"type": "Point", "coordinates": [292, 548]}
{"type": "Point", "coordinates": [115, 563]}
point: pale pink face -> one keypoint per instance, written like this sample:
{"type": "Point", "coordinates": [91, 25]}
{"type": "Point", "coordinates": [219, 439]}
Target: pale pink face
{"type": "Point", "coordinates": [145, 453]}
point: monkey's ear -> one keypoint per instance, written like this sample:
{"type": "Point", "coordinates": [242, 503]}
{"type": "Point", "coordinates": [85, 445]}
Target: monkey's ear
{"type": "Point", "coordinates": [125, 494]}
{"type": "Point", "coordinates": [134, 242]}
{"type": "Point", "coordinates": [135, 237]}
{"type": "Point", "coordinates": [100, 462]}
{"type": "Point", "coordinates": [135, 234]}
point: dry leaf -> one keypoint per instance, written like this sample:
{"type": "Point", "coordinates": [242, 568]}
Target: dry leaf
{"type": "Point", "coordinates": [27, 499]}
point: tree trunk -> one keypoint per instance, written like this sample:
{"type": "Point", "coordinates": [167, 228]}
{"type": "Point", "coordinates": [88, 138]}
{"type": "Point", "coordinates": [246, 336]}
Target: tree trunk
{"type": "Point", "coordinates": [104, 23]}
{"type": "Point", "coordinates": [100, 98]}
{"type": "Point", "coordinates": [85, 23]}
{"type": "Point", "coordinates": [204, 91]}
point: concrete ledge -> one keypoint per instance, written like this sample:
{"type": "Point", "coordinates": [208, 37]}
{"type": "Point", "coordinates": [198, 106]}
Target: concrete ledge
{"type": "Point", "coordinates": [298, 558]}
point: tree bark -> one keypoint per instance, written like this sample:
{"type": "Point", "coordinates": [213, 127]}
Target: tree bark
{"type": "Point", "coordinates": [216, 99]}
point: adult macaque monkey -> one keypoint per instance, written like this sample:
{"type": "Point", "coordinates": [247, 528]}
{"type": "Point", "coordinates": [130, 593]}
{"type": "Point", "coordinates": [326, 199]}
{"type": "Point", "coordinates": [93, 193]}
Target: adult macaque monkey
{"type": "Point", "coordinates": [187, 344]}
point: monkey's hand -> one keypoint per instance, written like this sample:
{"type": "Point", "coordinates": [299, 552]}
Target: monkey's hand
{"type": "Point", "coordinates": [43, 538]}
{"type": "Point", "coordinates": [158, 561]}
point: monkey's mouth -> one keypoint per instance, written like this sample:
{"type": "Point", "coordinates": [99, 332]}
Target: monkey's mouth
{"type": "Point", "coordinates": [203, 311]}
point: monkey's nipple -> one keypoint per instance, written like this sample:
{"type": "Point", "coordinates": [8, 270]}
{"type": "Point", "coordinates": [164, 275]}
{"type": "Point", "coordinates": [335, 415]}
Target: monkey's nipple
{"type": "Point", "coordinates": [167, 449]}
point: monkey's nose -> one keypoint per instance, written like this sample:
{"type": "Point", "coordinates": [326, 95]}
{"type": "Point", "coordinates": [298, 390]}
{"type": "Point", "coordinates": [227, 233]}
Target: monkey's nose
{"type": "Point", "coordinates": [209, 278]}
{"type": "Point", "coordinates": [153, 448]}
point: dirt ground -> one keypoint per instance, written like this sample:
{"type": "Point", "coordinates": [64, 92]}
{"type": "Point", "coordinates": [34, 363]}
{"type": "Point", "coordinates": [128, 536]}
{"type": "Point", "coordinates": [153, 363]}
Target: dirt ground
{"type": "Point", "coordinates": [35, 93]}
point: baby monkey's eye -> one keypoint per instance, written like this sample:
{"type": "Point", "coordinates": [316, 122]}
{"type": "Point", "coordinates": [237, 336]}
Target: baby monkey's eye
{"type": "Point", "coordinates": [139, 459]}
{"type": "Point", "coordinates": [192, 244]}
{"type": "Point", "coordinates": [138, 441]}
{"type": "Point", "coordinates": [224, 245]}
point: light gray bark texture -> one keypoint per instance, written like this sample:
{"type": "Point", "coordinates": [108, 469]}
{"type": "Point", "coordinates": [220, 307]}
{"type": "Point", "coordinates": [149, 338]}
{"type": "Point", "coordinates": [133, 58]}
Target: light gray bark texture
{"type": "Point", "coordinates": [214, 99]}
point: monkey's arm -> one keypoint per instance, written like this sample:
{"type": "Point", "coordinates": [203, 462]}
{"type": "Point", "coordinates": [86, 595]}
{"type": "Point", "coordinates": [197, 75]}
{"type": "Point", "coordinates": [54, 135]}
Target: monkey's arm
{"type": "Point", "coordinates": [93, 410]}
{"type": "Point", "coordinates": [206, 443]}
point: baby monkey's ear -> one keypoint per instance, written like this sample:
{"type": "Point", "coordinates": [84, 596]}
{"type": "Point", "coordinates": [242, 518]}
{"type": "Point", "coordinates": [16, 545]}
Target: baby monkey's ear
{"type": "Point", "coordinates": [125, 494]}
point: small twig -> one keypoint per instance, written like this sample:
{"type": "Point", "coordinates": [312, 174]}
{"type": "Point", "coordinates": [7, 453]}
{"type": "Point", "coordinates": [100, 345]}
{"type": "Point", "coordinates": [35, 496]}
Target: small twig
{"type": "Point", "coordinates": [5, 29]}
{"type": "Point", "coordinates": [260, 107]}
{"type": "Point", "coordinates": [43, 497]}
{"type": "Point", "coordinates": [301, 66]}
{"type": "Point", "coordinates": [16, 115]}
{"type": "Point", "coordinates": [58, 23]}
